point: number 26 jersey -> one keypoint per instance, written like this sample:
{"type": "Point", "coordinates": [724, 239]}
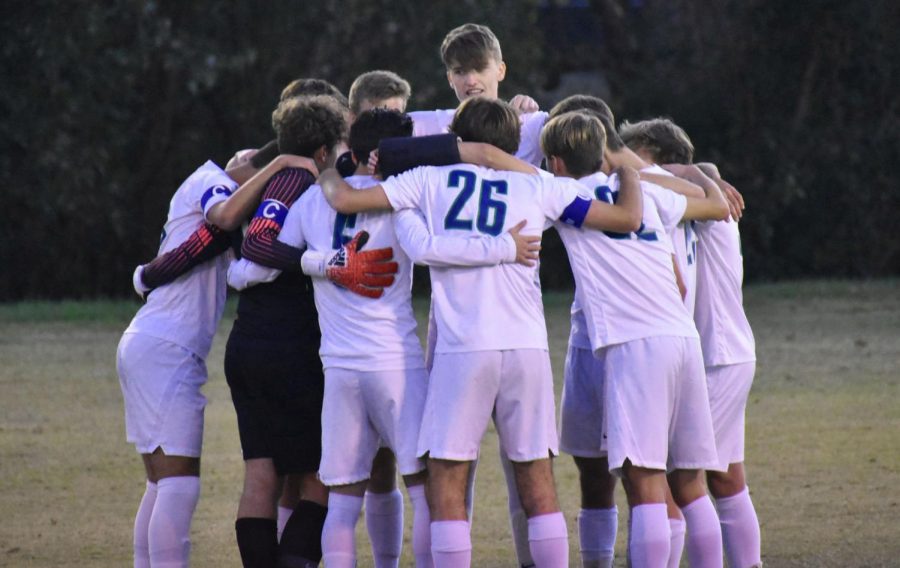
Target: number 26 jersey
{"type": "Point", "coordinates": [489, 307]}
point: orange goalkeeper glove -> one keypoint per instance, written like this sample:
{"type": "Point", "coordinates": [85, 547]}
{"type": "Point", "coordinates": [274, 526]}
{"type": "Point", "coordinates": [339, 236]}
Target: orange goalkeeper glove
{"type": "Point", "coordinates": [364, 273]}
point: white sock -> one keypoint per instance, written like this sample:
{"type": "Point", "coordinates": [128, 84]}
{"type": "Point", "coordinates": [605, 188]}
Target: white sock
{"type": "Point", "coordinates": [284, 513]}
{"type": "Point", "coordinates": [421, 533]}
{"type": "Point", "coordinates": [518, 520]}
{"type": "Point", "coordinates": [740, 530]}
{"type": "Point", "coordinates": [451, 544]}
{"type": "Point", "coordinates": [384, 520]}
{"type": "Point", "coordinates": [648, 542]}
{"type": "Point", "coordinates": [549, 540]}
{"type": "Point", "coordinates": [676, 542]}
{"type": "Point", "coordinates": [142, 526]}
{"type": "Point", "coordinates": [597, 535]}
{"type": "Point", "coordinates": [704, 535]}
{"type": "Point", "coordinates": [339, 532]}
{"type": "Point", "coordinates": [169, 531]}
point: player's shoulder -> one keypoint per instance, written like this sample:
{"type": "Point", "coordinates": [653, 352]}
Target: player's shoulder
{"type": "Point", "coordinates": [657, 169]}
{"type": "Point", "coordinates": [362, 181]}
{"type": "Point", "coordinates": [208, 175]}
{"type": "Point", "coordinates": [427, 122]}
{"type": "Point", "coordinates": [534, 119]}
{"type": "Point", "coordinates": [206, 183]}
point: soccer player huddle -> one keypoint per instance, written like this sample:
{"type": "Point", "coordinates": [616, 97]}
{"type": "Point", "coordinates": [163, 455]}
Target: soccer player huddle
{"type": "Point", "coordinates": [333, 392]}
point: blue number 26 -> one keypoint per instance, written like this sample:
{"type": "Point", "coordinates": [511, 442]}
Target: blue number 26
{"type": "Point", "coordinates": [491, 212]}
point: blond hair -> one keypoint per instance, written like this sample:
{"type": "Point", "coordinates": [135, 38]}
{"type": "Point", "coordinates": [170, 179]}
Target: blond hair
{"type": "Point", "coordinates": [578, 139]}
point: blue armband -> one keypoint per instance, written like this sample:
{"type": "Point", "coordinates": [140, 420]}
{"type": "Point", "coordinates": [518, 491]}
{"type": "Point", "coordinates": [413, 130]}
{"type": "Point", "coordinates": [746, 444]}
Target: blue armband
{"type": "Point", "coordinates": [397, 155]}
{"type": "Point", "coordinates": [214, 191]}
{"type": "Point", "coordinates": [274, 210]}
{"type": "Point", "coordinates": [575, 213]}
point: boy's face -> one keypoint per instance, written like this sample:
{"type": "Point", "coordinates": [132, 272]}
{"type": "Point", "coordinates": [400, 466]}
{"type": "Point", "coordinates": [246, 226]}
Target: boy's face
{"type": "Point", "coordinates": [393, 103]}
{"type": "Point", "coordinates": [468, 83]}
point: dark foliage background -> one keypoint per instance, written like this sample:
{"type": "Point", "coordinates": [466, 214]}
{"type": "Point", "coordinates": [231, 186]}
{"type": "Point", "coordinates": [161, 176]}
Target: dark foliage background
{"type": "Point", "coordinates": [106, 106]}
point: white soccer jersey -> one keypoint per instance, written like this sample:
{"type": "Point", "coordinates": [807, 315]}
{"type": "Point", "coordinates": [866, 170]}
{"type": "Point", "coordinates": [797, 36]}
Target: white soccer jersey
{"type": "Point", "coordinates": [493, 307]}
{"type": "Point", "coordinates": [725, 333]}
{"type": "Point", "coordinates": [684, 243]}
{"type": "Point", "coordinates": [670, 207]}
{"type": "Point", "coordinates": [187, 310]}
{"type": "Point", "coordinates": [426, 122]}
{"type": "Point", "coordinates": [625, 283]}
{"type": "Point", "coordinates": [362, 334]}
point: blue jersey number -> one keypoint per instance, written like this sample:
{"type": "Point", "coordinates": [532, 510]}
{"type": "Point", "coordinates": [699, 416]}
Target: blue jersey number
{"type": "Point", "coordinates": [342, 222]}
{"type": "Point", "coordinates": [690, 242]}
{"type": "Point", "coordinates": [491, 212]}
{"type": "Point", "coordinates": [606, 193]}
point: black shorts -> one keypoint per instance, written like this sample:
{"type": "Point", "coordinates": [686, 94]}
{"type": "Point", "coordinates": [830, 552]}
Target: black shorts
{"type": "Point", "coordinates": [277, 390]}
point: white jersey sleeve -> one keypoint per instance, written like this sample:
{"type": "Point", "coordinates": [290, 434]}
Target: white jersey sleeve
{"type": "Point", "coordinates": [404, 191]}
{"type": "Point", "coordinates": [557, 194]}
{"type": "Point", "coordinates": [428, 122]}
{"type": "Point", "coordinates": [212, 190]}
{"type": "Point", "coordinates": [670, 205]}
{"type": "Point", "coordinates": [530, 138]}
{"type": "Point", "coordinates": [433, 250]}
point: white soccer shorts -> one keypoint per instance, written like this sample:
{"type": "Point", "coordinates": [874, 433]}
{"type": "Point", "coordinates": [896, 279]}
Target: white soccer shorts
{"type": "Point", "coordinates": [582, 422]}
{"type": "Point", "coordinates": [657, 408]}
{"type": "Point", "coordinates": [363, 411]}
{"type": "Point", "coordinates": [161, 384]}
{"type": "Point", "coordinates": [465, 390]}
{"type": "Point", "coordinates": [729, 388]}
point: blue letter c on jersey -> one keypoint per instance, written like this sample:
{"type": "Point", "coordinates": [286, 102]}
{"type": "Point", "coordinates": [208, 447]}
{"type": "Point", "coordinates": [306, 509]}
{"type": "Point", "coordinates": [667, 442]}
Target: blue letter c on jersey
{"type": "Point", "coordinates": [274, 210]}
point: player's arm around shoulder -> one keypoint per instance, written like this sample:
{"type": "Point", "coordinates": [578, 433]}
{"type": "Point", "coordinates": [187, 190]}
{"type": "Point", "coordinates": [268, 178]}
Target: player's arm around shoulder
{"type": "Point", "coordinates": [673, 183]}
{"type": "Point", "coordinates": [712, 206]}
{"type": "Point", "coordinates": [344, 199]}
{"type": "Point", "coordinates": [230, 213]}
{"type": "Point", "coordinates": [626, 214]}
{"type": "Point", "coordinates": [489, 156]}
{"type": "Point", "coordinates": [732, 195]}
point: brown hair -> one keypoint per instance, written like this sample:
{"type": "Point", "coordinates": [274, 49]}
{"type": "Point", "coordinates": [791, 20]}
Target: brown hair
{"type": "Point", "coordinates": [578, 139]}
{"type": "Point", "coordinates": [312, 87]}
{"type": "Point", "coordinates": [375, 86]}
{"type": "Point", "coordinates": [666, 142]}
{"type": "Point", "coordinates": [470, 46]}
{"type": "Point", "coordinates": [597, 107]}
{"type": "Point", "coordinates": [305, 124]}
{"type": "Point", "coordinates": [480, 119]}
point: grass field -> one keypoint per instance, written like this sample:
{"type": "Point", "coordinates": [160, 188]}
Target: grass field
{"type": "Point", "coordinates": [823, 455]}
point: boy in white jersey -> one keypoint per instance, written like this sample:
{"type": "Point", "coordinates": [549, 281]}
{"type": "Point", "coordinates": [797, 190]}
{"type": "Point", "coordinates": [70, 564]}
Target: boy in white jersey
{"type": "Point", "coordinates": [491, 355]}
{"type": "Point", "coordinates": [642, 403]}
{"type": "Point", "coordinates": [728, 346]}
{"type": "Point", "coordinates": [474, 63]}
{"type": "Point", "coordinates": [160, 358]}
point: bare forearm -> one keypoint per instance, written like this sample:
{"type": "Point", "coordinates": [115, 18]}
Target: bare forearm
{"type": "Point", "coordinates": [492, 157]}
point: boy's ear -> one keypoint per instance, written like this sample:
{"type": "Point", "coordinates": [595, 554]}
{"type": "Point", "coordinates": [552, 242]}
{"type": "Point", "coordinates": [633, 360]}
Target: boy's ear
{"type": "Point", "coordinates": [321, 154]}
{"type": "Point", "coordinates": [502, 71]}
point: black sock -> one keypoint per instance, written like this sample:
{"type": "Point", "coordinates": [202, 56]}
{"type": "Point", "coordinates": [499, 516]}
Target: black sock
{"type": "Point", "coordinates": [301, 540]}
{"type": "Point", "coordinates": [257, 540]}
